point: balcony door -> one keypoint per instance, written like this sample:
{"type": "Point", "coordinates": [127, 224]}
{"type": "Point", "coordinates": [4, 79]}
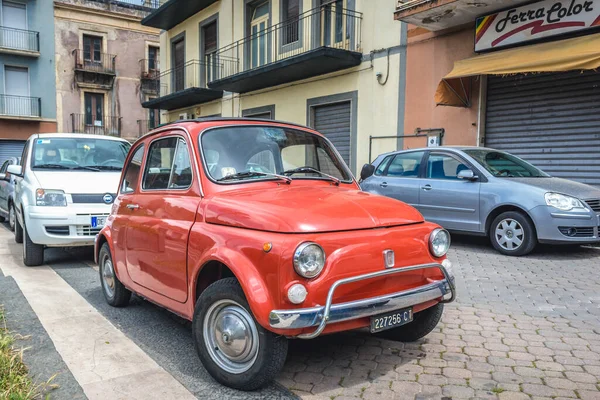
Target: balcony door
{"type": "Point", "coordinates": [92, 49]}
{"type": "Point", "coordinates": [94, 113]}
{"type": "Point", "coordinates": [209, 46]}
{"type": "Point", "coordinates": [14, 22]}
{"type": "Point", "coordinates": [16, 100]}
{"type": "Point", "coordinates": [153, 61]}
{"type": "Point", "coordinates": [178, 65]}
{"type": "Point", "coordinates": [332, 25]}
{"type": "Point", "coordinates": [258, 39]}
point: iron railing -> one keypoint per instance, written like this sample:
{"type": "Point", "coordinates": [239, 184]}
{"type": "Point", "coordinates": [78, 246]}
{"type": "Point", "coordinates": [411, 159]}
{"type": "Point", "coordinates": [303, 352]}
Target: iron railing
{"type": "Point", "coordinates": [146, 125]}
{"type": "Point", "coordinates": [150, 68]}
{"type": "Point", "coordinates": [20, 106]}
{"type": "Point", "coordinates": [105, 125]}
{"type": "Point", "coordinates": [151, 3]}
{"type": "Point", "coordinates": [91, 61]}
{"type": "Point", "coordinates": [192, 74]}
{"type": "Point", "coordinates": [19, 39]}
{"type": "Point", "coordinates": [326, 26]}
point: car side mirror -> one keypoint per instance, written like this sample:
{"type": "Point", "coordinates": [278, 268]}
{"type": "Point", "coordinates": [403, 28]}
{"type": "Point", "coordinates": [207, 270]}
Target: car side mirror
{"type": "Point", "coordinates": [3, 177]}
{"type": "Point", "coordinates": [467, 175]}
{"type": "Point", "coordinates": [15, 170]}
{"type": "Point", "coordinates": [367, 171]}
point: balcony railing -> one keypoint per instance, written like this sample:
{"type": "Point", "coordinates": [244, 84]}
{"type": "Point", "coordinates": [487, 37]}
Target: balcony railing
{"type": "Point", "coordinates": [327, 26]}
{"type": "Point", "coordinates": [106, 125]}
{"type": "Point", "coordinates": [151, 3]}
{"type": "Point", "coordinates": [19, 39]}
{"type": "Point", "coordinates": [149, 68]}
{"type": "Point", "coordinates": [193, 74]}
{"type": "Point", "coordinates": [146, 125]}
{"type": "Point", "coordinates": [91, 61]}
{"type": "Point", "coordinates": [20, 106]}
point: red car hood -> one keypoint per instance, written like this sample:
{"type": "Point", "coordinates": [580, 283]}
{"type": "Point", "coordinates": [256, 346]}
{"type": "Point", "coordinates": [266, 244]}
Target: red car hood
{"type": "Point", "coordinates": [307, 209]}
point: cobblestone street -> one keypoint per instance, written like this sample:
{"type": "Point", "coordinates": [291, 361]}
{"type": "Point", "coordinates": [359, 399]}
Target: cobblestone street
{"type": "Point", "coordinates": [522, 328]}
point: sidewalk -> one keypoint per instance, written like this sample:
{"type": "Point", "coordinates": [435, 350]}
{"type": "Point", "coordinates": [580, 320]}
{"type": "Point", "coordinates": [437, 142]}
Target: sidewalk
{"type": "Point", "coordinates": [105, 363]}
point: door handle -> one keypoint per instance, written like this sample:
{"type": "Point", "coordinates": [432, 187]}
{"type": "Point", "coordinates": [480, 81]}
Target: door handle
{"type": "Point", "coordinates": [426, 187]}
{"type": "Point", "coordinates": [133, 206]}
{"type": "Point", "coordinates": [383, 184]}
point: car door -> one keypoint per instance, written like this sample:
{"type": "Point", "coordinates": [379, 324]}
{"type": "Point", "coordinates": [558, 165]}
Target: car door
{"type": "Point", "coordinates": [161, 217]}
{"type": "Point", "coordinates": [399, 177]}
{"type": "Point", "coordinates": [444, 198]}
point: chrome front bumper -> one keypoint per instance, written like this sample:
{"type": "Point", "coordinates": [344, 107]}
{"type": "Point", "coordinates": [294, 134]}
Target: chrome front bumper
{"type": "Point", "coordinates": [320, 316]}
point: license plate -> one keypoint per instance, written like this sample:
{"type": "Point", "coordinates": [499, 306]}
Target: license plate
{"type": "Point", "coordinates": [391, 320]}
{"type": "Point", "coordinates": [98, 222]}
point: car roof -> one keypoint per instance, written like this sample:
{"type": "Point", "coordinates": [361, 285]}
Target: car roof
{"type": "Point", "coordinates": [231, 119]}
{"type": "Point", "coordinates": [454, 149]}
{"type": "Point", "coordinates": [76, 136]}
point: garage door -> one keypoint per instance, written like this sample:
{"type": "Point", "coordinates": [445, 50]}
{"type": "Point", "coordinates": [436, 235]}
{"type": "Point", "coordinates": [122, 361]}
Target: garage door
{"type": "Point", "coordinates": [10, 148]}
{"type": "Point", "coordinates": [333, 120]}
{"type": "Point", "coordinates": [551, 120]}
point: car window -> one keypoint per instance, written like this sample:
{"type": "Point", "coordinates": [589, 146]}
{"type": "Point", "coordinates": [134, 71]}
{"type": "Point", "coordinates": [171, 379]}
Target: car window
{"type": "Point", "coordinates": [444, 166]}
{"type": "Point", "coordinates": [24, 155]}
{"type": "Point", "coordinates": [132, 172]}
{"type": "Point", "coordinates": [405, 165]}
{"type": "Point", "coordinates": [181, 177]}
{"type": "Point", "coordinates": [381, 168]}
{"type": "Point", "coordinates": [504, 165]}
{"type": "Point", "coordinates": [168, 165]}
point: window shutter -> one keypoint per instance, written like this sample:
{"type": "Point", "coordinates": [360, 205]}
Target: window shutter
{"type": "Point", "coordinates": [293, 9]}
{"type": "Point", "coordinates": [210, 38]}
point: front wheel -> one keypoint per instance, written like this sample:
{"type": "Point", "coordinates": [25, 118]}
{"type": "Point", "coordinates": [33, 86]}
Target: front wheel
{"type": "Point", "coordinates": [33, 253]}
{"type": "Point", "coordinates": [115, 293]}
{"type": "Point", "coordinates": [233, 347]}
{"type": "Point", "coordinates": [11, 217]}
{"type": "Point", "coordinates": [423, 323]}
{"type": "Point", "coordinates": [513, 234]}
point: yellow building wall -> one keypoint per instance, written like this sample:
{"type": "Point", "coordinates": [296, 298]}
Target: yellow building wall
{"type": "Point", "coordinates": [377, 104]}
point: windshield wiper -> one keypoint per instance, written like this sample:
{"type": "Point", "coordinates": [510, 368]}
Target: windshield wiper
{"type": "Point", "coordinates": [251, 174]}
{"type": "Point", "coordinates": [307, 169]}
{"type": "Point", "coordinates": [106, 167]}
{"type": "Point", "coordinates": [51, 166]}
{"type": "Point", "coordinates": [86, 168]}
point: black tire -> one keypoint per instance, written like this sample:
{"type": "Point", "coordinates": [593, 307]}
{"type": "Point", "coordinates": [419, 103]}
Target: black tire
{"type": "Point", "coordinates": [33, 254]}
{"type": "Point", "coordinates": [2, 219]}
{"type": "Point", "coordinates": [423, 323]}
{"type": "Point", "coordinates": [528, 239]}
{"type": "Point", "coordinates": [11, 221]}
{"type": "Point", "coordinates": [118, 295]}
{"type": "Point", "coordinates": [18, 231]}
{"type": "Point", "coordinates": [271, 352]}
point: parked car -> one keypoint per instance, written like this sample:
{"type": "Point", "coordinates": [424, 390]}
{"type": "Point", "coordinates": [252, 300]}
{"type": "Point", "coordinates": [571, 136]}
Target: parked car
{"type": "Point", "coordinates": [65, 190]}
{"type": "Point", "coordinates": [483, 191]}
{"type": "Point", "coordinates": [7, 190]}
{"type": "Point", "coordinates": [253, 258]}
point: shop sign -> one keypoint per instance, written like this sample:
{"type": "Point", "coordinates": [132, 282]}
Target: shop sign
{"type": "Point", "coordinates": [532, 22]}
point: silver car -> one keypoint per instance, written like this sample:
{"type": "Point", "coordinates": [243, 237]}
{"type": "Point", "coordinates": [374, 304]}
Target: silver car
{"type": "Point", "coordinates": [483, 191]}
{"type": "Point", "coordinates": [7, 192]}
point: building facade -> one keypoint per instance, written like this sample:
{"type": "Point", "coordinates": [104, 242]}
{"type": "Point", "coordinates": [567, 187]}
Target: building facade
{"type": "Point", "coordinates": [27, 84]}
{"type": "Point", "coordinates": [515, 75]}
{"type": "Point", "coordinates": [335, 65]}
{"type": "Point", "coordinates": [105, 63]}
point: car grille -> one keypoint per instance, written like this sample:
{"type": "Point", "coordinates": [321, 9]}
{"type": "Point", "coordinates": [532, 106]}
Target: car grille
{"type": "Point", "coordinates": [58, 230]}
{"type": "Point", "coordinates": [594, 204]}
{"type": "Point", "coordinates": [575, 232]}
{"type": "Point", "coordinates": [87, 230]}
{"type": "Point", "coordinates": [85, 198]}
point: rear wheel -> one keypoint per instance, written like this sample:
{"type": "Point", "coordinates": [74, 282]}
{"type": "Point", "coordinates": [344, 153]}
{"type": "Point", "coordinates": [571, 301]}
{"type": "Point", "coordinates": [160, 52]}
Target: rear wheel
{"type": "Point", "coordinates": [33, 254]}
{"type": "Point", "coordinates": [115, 293]}
{"type": "Point", "coordinates": [423, 323]}
{"type": "Point", "coordinates": [11, 217]}
{"type": "Point", "coordinates": [232, 346]}
{"type": "Point", "coordinates": [513, 234]}
{"type": "Point", "coordinates": [18, 231]}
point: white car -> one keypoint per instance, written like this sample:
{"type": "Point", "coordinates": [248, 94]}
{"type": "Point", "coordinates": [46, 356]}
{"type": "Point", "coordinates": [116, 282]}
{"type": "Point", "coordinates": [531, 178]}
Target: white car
{"type": "Point", "coordinates": [65, 189]}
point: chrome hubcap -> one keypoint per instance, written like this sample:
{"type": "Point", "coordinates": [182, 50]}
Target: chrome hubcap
{"type": "Point", "coordinates": [108, 276]}
{"type": "Point", "coordinates": [230, 336]}
{"type": "Point", "coordinates": [509, 234]}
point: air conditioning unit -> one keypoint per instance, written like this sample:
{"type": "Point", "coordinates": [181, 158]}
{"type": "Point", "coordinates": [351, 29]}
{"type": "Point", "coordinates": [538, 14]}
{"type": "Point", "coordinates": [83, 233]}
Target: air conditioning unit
{"type": "Point", "coordinates": [183, 116]}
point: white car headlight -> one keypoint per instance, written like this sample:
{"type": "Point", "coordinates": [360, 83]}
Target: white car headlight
{"type": "Point", "coordinates": [439, 242]}
{"type": "Point", "coordinates": [309, 260]}
{"type": "Point", "coordinates": [562, 202]}
{"type": "Point", "coordinates": [50, 198]}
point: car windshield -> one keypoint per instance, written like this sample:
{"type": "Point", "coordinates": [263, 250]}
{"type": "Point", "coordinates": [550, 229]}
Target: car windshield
{"type": "Point", "coordinates": [79, 154]}
{"type": "Point", "coordinates": [235, 154]}
{"type": "Point", "coordinates": [504, 165]}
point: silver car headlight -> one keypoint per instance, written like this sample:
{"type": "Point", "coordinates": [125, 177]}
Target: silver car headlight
{"type": "Point", "coordinates": [562, 202]}
{"type": "Point", "coordinates": [309, 260]}
{"type": "Point", "coordinates": [50, 198]}
{"type": "Point", "coordinates": [439, 242]}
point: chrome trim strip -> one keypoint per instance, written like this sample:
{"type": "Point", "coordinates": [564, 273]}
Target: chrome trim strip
{"type": "Point", "coordinates": [322, 315]}
{"type": "Point", "coordinates": [571, 216]}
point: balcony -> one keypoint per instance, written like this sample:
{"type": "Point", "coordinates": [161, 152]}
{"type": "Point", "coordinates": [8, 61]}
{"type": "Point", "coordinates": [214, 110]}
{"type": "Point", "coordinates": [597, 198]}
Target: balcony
{"type": "Point", "coordinates": [184, 86]}
{"type": "Point", "coordinates": [20, 106]}
{"type": "Point", "coordinates": [146, 125]}
{"type": "Point", "coordinates": [320, 41]}
{"type": "Point", "coordinates": [150, 75]}
{"type": "Point", "coordinates": [109, 126]}
{"type": "Point", "coordinates": [93, 69]}
{"type": "Point", "coordinates": [19, 41]}
{"type": "Point", "coordinates": [169, 13]}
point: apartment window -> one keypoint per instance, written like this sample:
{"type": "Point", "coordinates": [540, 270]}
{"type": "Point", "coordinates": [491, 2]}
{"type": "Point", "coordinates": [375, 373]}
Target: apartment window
{"type": "Point", "coordinates": [14, 15]}
{"type": "Point", "coordinates": [209, 34]}
{"type": "Point", "coordinates": [153, 58]}
{"type": "Point", "coordinates": [333, 15]}
{"type": "Point", "coordinates": [258, 42]}
{"type": "Point", "coordinates": [94, 109]}
{"type": "Point", "coordinates": [92, 48]}
{"type": "Point", "coordinates": [291, 18]}
{"type": "Point", "coordinates": [16, 90]}
{"type": "Point", "coordinates": [178, 63]}
{"type": "Point", "coordinates": [153, 117]}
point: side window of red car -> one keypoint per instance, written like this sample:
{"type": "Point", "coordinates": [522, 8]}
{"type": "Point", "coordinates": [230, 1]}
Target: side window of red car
{"type": "Point", "coordinates": [168, 165]}
{"type": "Point", "coordinates": [132, 172]}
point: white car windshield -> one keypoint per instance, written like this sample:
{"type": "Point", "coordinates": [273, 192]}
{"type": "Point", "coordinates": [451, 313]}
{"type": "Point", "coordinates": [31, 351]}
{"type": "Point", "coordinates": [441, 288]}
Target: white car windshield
{"type": "Point", "coordinates": [79, 154]}
{"type": "Point", "coordinates": [504, 165]}
{"type": "Point", "coordinates": [234, 154]}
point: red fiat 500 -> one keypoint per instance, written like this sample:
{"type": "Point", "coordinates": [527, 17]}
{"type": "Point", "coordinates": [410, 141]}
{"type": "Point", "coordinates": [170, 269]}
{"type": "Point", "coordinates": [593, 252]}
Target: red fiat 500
{"type": "Point", "coordinates": [258, 233]}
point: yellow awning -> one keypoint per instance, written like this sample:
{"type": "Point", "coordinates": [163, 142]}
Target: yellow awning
{"type": "Point", "coordinates": [566, 55]}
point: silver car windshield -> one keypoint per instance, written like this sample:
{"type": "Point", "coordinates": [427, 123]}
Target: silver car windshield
{"type": "Point", "coordinates": [504, 165]}
{"type": "Point", "coordinates": [249, 153]}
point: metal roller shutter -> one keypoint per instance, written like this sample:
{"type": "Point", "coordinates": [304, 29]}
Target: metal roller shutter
{"type": "Point", "coordinates": [10, 148]}
{"type": "Point", "coordinates": [550, 120]}
{"type": "Point", "coordinates": [333, 120]}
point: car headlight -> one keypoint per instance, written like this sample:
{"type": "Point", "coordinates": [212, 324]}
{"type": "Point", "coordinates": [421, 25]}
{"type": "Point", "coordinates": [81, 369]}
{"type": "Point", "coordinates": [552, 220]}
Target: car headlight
{"type": "Point", "coordinates": [439, 242]}
{"type": "Point", "coordinates": [50, 198]}
{"type": "Point", "coordinates": [309, 260]}
{"type": "Point", "coordinates": [562, 202]}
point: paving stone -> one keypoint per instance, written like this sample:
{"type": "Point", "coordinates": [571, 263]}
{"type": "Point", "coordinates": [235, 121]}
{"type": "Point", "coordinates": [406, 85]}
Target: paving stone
{"type": "Point", "coordinates": [581, 377]}
{"type": "Point", "coordinates": [513, 396]}
{"type": "Point", "coordinates": [458, 392]}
